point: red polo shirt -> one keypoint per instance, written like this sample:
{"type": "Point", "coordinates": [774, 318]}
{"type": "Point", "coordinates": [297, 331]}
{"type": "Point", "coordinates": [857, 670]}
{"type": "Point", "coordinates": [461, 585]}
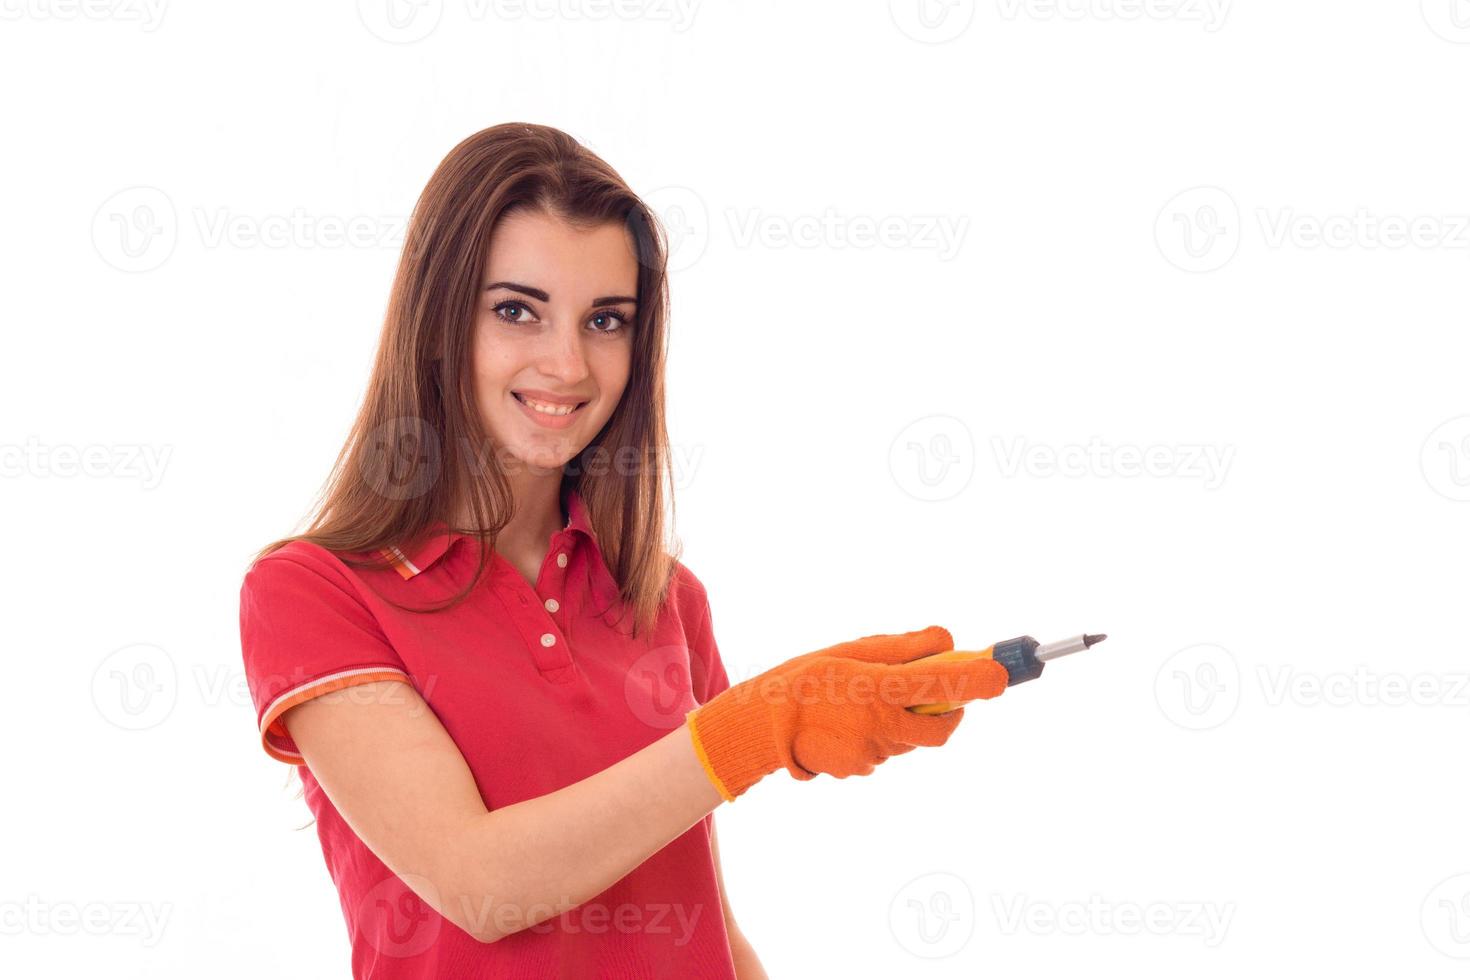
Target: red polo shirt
{"type": "Point", "coordinates": [539, 687]}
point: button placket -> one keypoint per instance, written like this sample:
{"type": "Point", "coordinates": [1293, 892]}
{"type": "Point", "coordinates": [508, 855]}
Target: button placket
{"type": "Point", "coordinates": [544, 642]}
{"type": "Point", "coordinates": [555, 582]}
{"type": "Point", "coordinates": [548, 648]}
{"type": "Point", "coordinates": [553, 650]}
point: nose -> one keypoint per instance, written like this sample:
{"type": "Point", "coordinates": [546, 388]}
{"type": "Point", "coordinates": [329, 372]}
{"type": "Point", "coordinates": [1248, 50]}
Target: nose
{"type": "Point", "coordinates": [563, 356]}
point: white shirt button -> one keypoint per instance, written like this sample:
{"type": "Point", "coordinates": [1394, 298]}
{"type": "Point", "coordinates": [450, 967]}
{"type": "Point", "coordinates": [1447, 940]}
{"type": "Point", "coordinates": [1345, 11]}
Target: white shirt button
{"type": "Point", "coordinates": [561, 560]}
{"type": "Point", "coordinates": [548, 639]}
{"type": "Point", "coordinates": [552, 605]}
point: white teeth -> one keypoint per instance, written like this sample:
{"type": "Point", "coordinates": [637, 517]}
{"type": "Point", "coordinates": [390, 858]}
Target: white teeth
{"type": "Point", "coordinates": [548, 409]}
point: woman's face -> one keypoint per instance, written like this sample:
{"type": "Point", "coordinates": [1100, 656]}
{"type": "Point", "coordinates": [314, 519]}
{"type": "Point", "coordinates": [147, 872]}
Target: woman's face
{"type": "Point", "coordinates": [554, 326]}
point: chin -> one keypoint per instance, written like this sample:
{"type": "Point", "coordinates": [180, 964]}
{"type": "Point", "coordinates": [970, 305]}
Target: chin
{"type": "Point", "coordinates": [544, 457]}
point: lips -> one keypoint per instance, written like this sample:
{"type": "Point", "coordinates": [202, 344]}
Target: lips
{"type": "Point", "coordinates": [550, 420]}
{"type": "Point", "coordinates": [533, 401]}
{"type": "Point", "coordinates": [549, 398]}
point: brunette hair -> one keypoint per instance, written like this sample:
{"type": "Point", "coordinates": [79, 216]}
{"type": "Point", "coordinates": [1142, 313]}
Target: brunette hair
{"type": "Point", "coordinates": [410, 458]}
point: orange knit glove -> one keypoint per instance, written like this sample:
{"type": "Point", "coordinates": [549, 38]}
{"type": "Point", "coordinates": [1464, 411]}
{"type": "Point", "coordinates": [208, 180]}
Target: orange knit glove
{"type": "Point", "coordinates": [841, 710]}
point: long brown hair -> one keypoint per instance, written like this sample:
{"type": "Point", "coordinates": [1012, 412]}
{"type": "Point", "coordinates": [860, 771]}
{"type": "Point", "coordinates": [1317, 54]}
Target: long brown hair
{"type": "Point", "coordinates": [410, 459]}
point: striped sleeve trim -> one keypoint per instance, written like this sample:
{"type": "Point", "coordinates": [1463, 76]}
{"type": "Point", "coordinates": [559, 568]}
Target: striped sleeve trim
{"type": "Point", "coordinates": [271, 728]}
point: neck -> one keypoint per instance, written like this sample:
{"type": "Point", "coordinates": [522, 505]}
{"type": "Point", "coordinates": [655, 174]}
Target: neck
{"type": "Point", "coordinates": [538, 514]}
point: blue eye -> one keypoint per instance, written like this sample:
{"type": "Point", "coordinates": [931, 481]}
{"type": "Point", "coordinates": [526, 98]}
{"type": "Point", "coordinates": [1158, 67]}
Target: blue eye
{"type": "Point", "coordinates": [511, 310]}
{"type": "Point", "coordinates": [511, 305]}
{"type": "Point", "coordinates": [622, 321]}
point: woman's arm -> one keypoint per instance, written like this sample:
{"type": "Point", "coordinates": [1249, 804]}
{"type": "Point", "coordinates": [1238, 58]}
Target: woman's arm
{"type": "Point", "coordinates": [747, 964]}
{"type": "Point", "coordinates": [392, 771]}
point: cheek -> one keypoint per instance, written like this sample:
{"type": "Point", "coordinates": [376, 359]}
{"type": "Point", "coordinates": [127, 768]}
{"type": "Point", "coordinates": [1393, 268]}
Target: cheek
{"type": "Point", "coordinates": [492, 372]}
{"type": "Point", "coordinates": [493, 364]}
{"type": "Point", "coordinates": [613, 368]}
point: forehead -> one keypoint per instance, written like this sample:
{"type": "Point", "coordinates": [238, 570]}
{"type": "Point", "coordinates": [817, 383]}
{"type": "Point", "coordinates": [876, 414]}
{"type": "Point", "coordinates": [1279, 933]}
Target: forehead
{"type": "Point", "coordinates": [537, 249]}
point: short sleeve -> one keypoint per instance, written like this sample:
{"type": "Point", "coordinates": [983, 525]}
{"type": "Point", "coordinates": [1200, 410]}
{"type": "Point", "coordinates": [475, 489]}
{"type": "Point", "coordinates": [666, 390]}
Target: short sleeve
{"type": "Point", "coordinates": [304, 631]}
{"type": "Point", "coordinates": [706, 668]}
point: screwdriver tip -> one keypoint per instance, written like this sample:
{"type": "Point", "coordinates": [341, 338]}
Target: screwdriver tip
{"type": "Point", "coordinates": [1088, 639]}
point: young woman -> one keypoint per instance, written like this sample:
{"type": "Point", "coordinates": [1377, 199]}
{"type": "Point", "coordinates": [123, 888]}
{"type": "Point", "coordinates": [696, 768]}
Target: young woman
{"type": "Point", "coordinates": [502, 691]}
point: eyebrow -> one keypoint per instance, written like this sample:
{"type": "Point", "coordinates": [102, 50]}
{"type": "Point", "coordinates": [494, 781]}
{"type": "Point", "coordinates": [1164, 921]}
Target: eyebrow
{"type": "Point", "coordinates": [544, 296]}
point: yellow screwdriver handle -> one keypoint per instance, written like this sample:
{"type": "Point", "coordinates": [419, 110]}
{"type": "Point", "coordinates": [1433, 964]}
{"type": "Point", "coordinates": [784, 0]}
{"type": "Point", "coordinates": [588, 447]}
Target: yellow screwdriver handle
{"type": "Point", "coordinates": [941, 707]}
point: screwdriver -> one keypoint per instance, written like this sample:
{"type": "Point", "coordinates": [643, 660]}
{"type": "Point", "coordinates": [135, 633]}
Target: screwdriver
{"type": "Point", "coordinates": [1022, 657]}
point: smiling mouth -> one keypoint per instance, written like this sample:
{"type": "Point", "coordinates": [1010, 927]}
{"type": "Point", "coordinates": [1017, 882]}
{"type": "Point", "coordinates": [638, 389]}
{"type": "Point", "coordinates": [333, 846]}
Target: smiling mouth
{"type": "Point", "coordinates": [548, 409]}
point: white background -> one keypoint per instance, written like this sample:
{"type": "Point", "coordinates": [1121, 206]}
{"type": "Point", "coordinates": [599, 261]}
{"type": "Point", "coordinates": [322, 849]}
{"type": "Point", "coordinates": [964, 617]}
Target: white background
{"type": "Point", "coordinates": [1177, 232]}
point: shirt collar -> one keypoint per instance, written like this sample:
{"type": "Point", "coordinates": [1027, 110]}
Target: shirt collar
{"type": "Point", "coordinates": [420, 554]}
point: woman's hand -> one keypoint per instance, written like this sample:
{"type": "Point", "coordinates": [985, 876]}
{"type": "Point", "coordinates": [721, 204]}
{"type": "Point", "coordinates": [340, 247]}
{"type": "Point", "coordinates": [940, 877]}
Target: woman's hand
{"type": "Point", "coordinates": [842, 710]}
